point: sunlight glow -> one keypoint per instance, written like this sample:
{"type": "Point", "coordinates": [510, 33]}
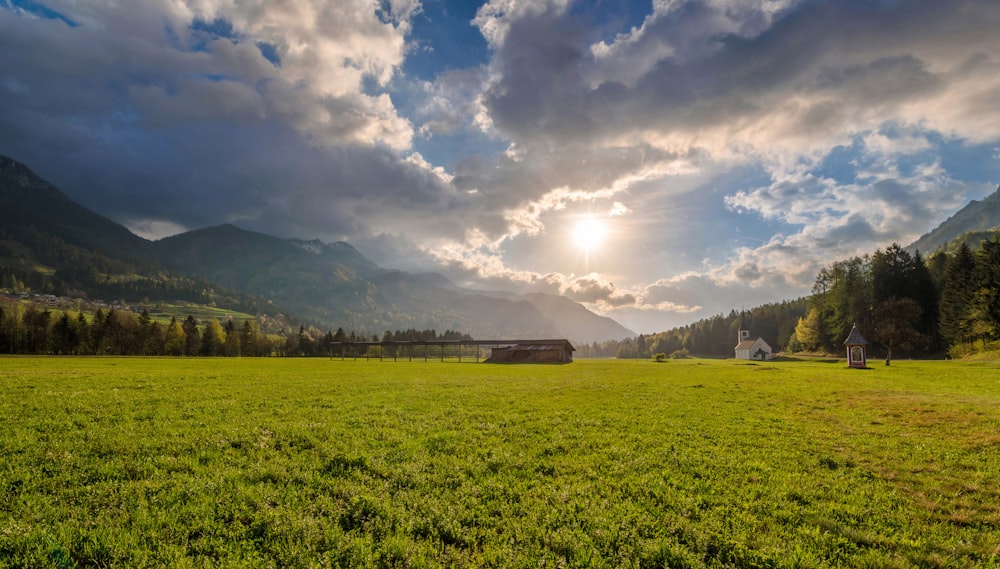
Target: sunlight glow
{"type": "Point", "coordinates": [589, 234]}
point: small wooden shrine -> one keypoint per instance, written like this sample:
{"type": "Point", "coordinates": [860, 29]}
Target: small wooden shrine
{"type": "Point", "coordinates": [857, 349]}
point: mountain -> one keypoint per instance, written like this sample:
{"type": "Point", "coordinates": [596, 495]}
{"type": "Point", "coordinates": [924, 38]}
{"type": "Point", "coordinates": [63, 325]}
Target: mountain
{"type": "Point", "coordinates": [572, 320]}
{"type": "Point", "coordinates": [50, 243]}
{"type": "Point", "coordinates": [338, 287]}
{"type": "Point", "coordinates": [30, 204]}
{"type": "Point", "coordinates": [976, 216]}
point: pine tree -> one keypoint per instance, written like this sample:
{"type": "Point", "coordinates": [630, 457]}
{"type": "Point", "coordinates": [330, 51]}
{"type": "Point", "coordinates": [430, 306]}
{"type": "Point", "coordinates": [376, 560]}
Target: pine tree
{"type": "Point", "coordinates": [248, 339]}
{"type": "Point", "coordinates": [192, 337]}
{"type": "Point", "coordinates": [987, 281]}
{"type": "Point", "coordinates": [957, 293]}
{"type": "Point", "coordinates": [213, 339]}
{"type": "Point", "coordinates": [232, 347]}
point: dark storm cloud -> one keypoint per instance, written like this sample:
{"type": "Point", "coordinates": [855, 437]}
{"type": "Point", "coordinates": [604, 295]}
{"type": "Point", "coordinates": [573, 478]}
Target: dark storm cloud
{"type": "Point", "coordinates": [714, 70]}
{"type": "Point", "coordinates": [145, 116]}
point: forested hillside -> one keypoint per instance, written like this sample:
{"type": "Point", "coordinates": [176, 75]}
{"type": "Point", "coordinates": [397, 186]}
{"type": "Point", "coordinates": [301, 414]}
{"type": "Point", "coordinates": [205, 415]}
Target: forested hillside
{"type": "Point", "coordinates": [902, 303]}
{"type": "Point", "coordinates": [711, 337]}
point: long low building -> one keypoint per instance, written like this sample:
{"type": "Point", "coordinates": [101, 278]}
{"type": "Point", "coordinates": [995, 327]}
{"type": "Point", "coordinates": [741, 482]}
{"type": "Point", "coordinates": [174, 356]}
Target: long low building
{"type": "Point", "coordinates": [501, 351]}
{"type": "Point", "coordinates": [537, 351]}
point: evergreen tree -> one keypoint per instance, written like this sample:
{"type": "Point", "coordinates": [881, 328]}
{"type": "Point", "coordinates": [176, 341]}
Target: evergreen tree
{"type": "Point", "coordinates": [98, 330]}
{"type": "Point", "coordinates": [987, 282]}
{"type": "Point", "coordinates": [213, 339]}
{"type": "Point", "coordinates": [248, 339]}
{"type": "Point", "coordinates": [84, 339]}
{"type": "Point", "coordinates": [958, 289]}
{"type": "Point", "coordinates": [892, 274]}
{"type": "Point", "coordinates": [232, 347]}
{"type": "Point", "coordinates": [145, 330]}
{"type": "Point", "coordinates": [192, 336]}
{"type": "Point", "coordinates": [64, 335]}
{"type": "Point", "coordinates": [156, 341]}
{"type": "Point", "coordinates": [36, 326]}
{"type": "Point", "coordinates": [924, 291]}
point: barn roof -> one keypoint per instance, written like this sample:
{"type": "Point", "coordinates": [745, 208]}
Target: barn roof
{"type": "Point", "coordinates": [537, 345]}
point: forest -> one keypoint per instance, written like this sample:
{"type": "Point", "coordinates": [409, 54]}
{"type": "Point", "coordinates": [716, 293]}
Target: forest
{"type": "Point", "coordinates": [904, 305]}
{"type": "Point", "coordinates": [29, 328]}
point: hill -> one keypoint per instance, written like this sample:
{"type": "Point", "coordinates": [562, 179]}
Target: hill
{"type": "Point", "coordinates": [976, 216]}
{"type": "Point", "coordinates": [30, 205]}
{"type": "Point", "coordinates": [50, 243]}
{"type": "Point", "coordinates": [339, 287]}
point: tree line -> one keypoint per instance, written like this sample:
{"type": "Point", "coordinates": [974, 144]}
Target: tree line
{"type": "Point", "coordinates": [901, 303]}
{"type": "Point", "coordinates": [28, 328]}
{"type": "Point", "coordinates": [709, 337]}
{"type": "Point", "coordinates": [948, 304]}
{"type": "Point", "coordinates": [31, 329]}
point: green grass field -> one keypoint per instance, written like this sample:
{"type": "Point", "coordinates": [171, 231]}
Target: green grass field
{"type": "Point", "coordinates": [319, 463]}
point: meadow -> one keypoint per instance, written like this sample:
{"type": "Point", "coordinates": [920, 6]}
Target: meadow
{"type": "Point", "coordinates": [228, 462]}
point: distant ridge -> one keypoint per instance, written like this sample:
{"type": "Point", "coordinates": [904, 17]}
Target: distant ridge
{"type": "Point", "coordinates": [28, 201]}
{"type": "Point", "coordinates": [51, 243]}
{"type": "Point", "coordinates": [336, 285]}
{"type": "Point", "coordinates": [976, 216]}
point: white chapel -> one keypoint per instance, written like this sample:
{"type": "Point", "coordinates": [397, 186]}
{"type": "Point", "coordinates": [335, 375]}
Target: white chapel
{"type": "Point", "coordinates": [752, 348]}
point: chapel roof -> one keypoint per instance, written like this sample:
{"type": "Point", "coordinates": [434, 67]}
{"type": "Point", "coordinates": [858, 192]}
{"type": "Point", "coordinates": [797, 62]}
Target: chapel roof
{"type": "Point", "coordinates": [855, 338]}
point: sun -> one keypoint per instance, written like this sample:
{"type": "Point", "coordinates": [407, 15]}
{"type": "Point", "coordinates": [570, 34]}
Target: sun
{"type": "Point", "coordinates": [589, 233]}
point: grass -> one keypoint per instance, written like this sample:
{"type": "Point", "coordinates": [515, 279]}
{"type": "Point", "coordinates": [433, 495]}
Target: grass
{"type": "Point", "coordinates": [180, 311]}
{"type": "Point", "coordinates": [320, 463]}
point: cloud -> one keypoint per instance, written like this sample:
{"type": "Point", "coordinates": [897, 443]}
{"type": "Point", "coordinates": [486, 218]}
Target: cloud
{"type": "Point", "coordinates": [814, 129]}
{"type": "Point", "coordinates": [451, 103]}
{"type": "Point", "coordinates": [618, 209]}
{"type": "Point", "coordinates": [849, 218]}
{"type": "Point", "coordinates": [773, 80]}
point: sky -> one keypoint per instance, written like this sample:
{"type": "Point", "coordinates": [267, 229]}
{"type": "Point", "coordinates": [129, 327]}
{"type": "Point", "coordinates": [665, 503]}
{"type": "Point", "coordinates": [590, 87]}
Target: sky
{"type": "Point", "coordinates": [660, 162]}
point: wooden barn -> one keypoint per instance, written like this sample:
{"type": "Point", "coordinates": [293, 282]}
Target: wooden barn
{"type": "Point", "coordinates": [533, 351]}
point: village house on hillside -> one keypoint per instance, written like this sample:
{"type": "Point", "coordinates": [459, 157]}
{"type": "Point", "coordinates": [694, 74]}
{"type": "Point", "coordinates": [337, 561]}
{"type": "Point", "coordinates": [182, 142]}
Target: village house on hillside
{"type": "Point", "coordinates": [752, 348]}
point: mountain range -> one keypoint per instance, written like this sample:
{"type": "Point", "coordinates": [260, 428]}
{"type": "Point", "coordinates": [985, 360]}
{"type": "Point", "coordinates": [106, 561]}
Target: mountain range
{"type": "Point", "coordinates": [978, 220]}
{"type": "Point", "coordinates": [51, 243]}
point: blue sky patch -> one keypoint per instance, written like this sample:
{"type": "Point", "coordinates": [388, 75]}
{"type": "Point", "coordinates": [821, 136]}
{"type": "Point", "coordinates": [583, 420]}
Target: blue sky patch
{"type": "Point", "coordinates": [40, 10]}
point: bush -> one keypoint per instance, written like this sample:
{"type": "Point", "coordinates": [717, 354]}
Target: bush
{"type": "Point", "coordinates": [660, 357]}
{"type": "Point", "coordinates": [680, 354]}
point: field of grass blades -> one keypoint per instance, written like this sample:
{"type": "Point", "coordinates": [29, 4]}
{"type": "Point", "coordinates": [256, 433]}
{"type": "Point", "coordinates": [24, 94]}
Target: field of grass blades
{"type": "Point", "coordinates": [228, 462]}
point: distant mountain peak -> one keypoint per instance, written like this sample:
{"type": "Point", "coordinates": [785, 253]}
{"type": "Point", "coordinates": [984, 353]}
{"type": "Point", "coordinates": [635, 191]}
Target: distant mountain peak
{"type": "Point", "coordinates": [18, 175]}
{"type": "Point", "coordinates": [315, 246]}
{"type": "Point", "coordinates": [977, 215]}
{"type": "Point", "coordinates": [27, 200]}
